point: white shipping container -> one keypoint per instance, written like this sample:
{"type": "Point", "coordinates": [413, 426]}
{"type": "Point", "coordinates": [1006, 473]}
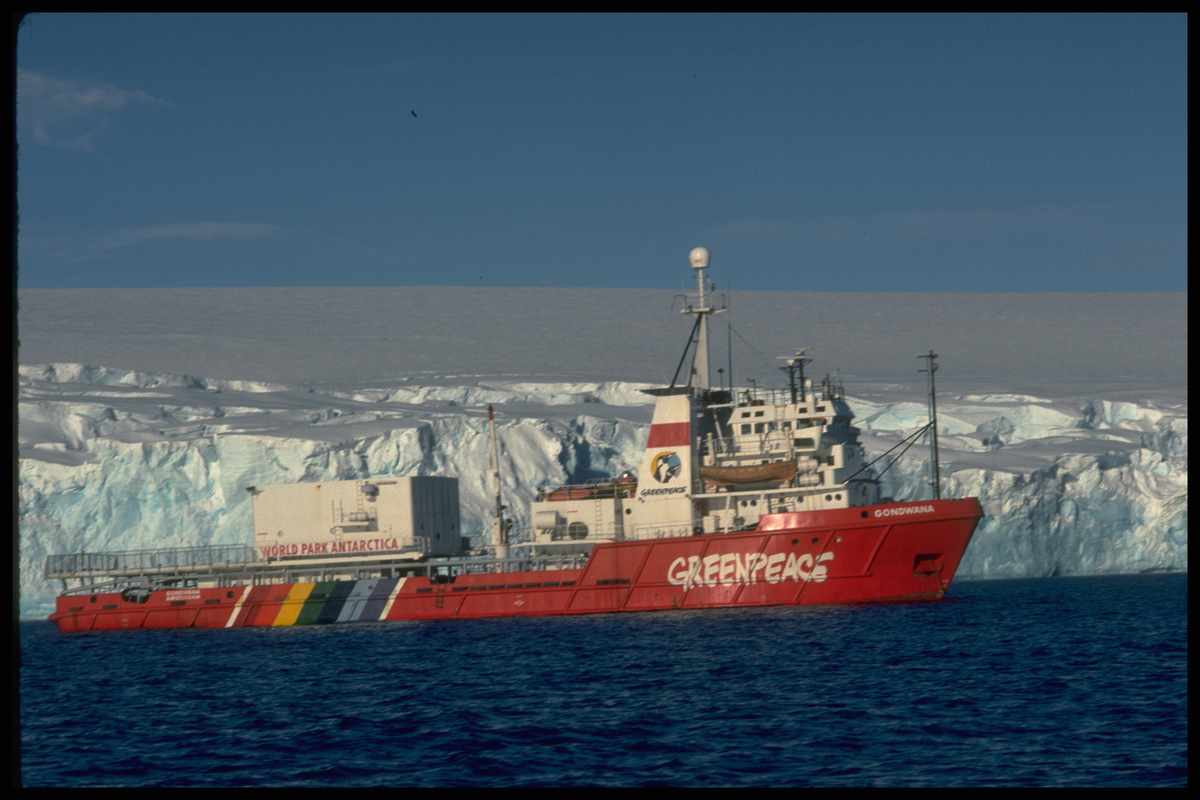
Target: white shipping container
{"type": "Point", "coordinates": [413, 517]}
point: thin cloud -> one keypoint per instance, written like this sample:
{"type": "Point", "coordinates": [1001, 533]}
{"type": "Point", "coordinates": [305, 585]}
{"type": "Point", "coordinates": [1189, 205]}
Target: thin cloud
{"type": "Point", "coordinates": [72, 114]}
{"type": "Point", "coordinates": [201, 231]}
{"type": "Point", "coordinates": [934, 226]}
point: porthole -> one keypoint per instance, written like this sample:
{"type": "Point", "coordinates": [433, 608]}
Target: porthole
{"type": "Point", "coordinates": [577, 530]}
{"type": "Point", "coordinates": [229, 595]}
{"type": "Point", "coordinates": [838, 496]}
{"type": "Point", "coordinates": [828, 497]}
{"type": "Point", "coordinates": [92, 599]}
{"type": "Point", "coordinates": [816, 539]}
{"type": "Point", "coordinates": [795, 542]}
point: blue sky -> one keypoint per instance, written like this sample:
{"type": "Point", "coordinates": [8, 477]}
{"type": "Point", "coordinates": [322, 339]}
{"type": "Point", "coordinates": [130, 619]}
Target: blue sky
{"type": "Point", "coordinates": [809, 153]}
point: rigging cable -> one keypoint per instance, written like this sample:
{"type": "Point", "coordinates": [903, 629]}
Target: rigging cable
{"type": "Point", "coordinates": [913, 437]}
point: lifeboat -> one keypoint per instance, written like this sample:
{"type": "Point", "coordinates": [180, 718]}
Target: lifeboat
{"type": "Point", "coordinates": [752, 473]}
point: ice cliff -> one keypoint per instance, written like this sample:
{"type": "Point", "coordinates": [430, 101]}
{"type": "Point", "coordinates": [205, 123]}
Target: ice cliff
{"type": "Point", "coordinates": [123, 460]}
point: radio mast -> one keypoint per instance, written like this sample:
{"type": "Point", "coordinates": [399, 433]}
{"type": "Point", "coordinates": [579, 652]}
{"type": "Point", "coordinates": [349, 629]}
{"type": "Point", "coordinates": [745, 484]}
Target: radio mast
{"type": "Point", "coordinates": [931, 367]}
{"type": "Point", "coordinates": [499, 526]}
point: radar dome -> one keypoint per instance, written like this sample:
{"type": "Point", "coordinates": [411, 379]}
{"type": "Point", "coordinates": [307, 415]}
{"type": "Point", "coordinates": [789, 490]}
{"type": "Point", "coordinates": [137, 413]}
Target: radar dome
{"type": "Point", "coordinates": [699, 258]}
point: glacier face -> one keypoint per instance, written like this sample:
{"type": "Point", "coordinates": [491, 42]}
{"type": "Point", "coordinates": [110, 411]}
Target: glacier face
{"type": "Point", "coordinates": [121, 460]}
{"type": "Point", "coordinates": [1083, 488]}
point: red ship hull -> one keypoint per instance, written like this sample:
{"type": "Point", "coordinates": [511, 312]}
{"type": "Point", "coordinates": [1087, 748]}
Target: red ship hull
{"type": "Point", "coordinates": [901, 551]}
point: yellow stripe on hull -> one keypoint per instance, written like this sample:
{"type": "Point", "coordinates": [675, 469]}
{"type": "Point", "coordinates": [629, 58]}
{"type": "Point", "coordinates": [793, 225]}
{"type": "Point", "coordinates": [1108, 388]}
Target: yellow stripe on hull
{"type": "Point", "coordinates": [293, 605]}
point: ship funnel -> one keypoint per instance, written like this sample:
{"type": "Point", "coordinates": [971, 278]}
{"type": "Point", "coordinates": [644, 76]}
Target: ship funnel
{"type": "Point", "coordinates": [699, 257]}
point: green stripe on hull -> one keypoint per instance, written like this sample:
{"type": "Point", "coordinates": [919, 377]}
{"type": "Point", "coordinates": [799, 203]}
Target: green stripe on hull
{"type": "Point", "coordinates": [315, 602]}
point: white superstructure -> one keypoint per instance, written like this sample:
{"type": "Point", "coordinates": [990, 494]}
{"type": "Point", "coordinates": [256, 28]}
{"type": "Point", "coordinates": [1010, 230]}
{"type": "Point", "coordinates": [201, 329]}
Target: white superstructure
{"type": "Point", "coordinates": [715, 462]}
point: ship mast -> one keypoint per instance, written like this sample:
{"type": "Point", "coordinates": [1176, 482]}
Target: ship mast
{"type": "Point", "coordinates": [794, 365]}
{"type": "Point", "coordinates": [700, 305]}
{"type": "Point", "coordinates": [931, 367]}
{"type": "Point", "coordinates": [499, 529]}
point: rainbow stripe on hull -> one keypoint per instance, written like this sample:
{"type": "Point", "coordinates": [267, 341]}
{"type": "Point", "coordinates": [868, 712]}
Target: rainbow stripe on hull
{"type": "Point", "coordinates": [234, 607]}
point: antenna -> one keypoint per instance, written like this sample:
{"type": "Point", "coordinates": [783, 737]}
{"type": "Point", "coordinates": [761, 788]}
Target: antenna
{"type": "Point", "coordinates": [796, 364]}
{"type": "Point", "coordinates": [931, 367]}
{"type": "Point", "coordinates": [729, 349]}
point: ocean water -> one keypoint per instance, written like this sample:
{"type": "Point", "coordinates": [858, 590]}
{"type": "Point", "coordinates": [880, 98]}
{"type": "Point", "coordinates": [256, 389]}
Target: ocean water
{"type": "Point", "coordinates": [1062, 681]}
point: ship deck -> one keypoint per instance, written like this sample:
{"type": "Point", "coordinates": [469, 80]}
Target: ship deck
{"type": "Point", "coordinates": [231, 565]}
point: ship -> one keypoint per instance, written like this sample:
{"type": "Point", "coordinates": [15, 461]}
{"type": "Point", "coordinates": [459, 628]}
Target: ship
{"type": "Point", "coordinates": [739, 501]}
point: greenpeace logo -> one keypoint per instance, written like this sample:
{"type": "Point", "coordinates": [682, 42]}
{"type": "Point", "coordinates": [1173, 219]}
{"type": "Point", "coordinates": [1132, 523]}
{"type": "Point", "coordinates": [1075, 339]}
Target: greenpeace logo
{"type": "Point", "coordinates": [900, 512]}
{"type": "Point", "coordinates": [666, 490]}
{"type": "Point", "coordinates": [665, 466]}
{"type": "Point", "coordinates": [728, 569]}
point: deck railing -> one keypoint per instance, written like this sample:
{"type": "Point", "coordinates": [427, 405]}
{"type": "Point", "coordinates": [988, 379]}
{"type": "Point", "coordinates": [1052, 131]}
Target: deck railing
{"type": "Point", "coordinates": [482, 566]}
{"type": "Point", "coordinates": [134, 561]}
{"type": "Point", "coordinates": [226, 559]}
{"type": "Point", "coordinates": [564, 534]}
{"type": "Point", "coordinates": [659, 531]}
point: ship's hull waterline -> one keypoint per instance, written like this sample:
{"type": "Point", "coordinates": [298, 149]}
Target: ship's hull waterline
{"type": "Point", "coordinates": [894, 552]}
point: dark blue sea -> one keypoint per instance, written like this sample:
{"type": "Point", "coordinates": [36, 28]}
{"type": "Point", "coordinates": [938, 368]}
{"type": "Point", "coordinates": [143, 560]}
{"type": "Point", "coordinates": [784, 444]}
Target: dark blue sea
{"type": "Point", "coordinates": [1053, 682]}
